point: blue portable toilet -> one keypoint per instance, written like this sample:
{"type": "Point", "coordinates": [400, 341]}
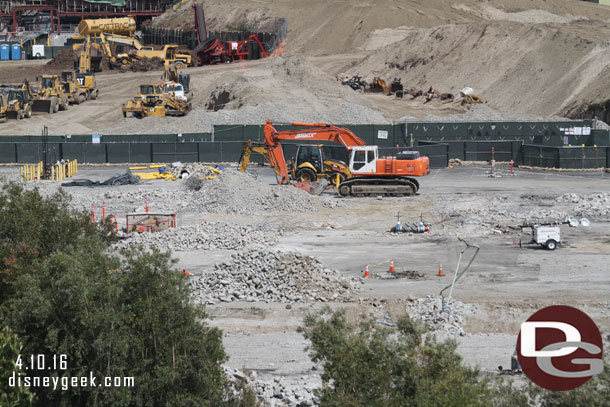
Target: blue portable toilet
{"type": "Point", "coordinates": [5, 52]}
{"type": "Point", "coordinates": [15, 51]}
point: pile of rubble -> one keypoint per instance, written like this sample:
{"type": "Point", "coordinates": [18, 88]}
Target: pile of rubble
{"type": "Point", "coordinates": [236, 192]}
{"type": "Point", "coordinates": [429, 311]}
{"type": "Point", "coordinates": [595, 206]}
{"type": "Point", "coordinates": [278, 392]}
{"type": "Point", "coordinates": [272, 276]}
{"type": "Point", "coordinates": [204, 236]}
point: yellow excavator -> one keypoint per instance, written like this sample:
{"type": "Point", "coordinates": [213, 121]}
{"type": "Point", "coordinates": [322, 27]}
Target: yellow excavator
{"type": "Point", "coordinates": [166, 53]}
{"type": "Point", "coordinates": [80, 85]}
{"type": "Point", "coordinates": [309, 164]}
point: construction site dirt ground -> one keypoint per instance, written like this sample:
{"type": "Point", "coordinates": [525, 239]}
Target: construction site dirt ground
{"type": "Point", "coordinates": [504, 286]}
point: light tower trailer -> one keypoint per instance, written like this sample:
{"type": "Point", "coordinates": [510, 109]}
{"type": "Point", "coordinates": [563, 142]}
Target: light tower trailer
{"type": "Point", "coordinates": [548, 235]}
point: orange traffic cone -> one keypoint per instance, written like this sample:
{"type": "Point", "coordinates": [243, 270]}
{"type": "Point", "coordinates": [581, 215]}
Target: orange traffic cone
{"type": "Point", "coordinates": [441, 273]}
{"type": "Point", "coordinates": [141, 229]}
{"type": "Point", "coordinates": [392, 269]}
{"type": "Point", "coordinates": [366, 271]}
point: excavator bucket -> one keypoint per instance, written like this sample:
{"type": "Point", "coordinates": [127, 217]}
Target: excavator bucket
{"type": "Point", "coordinates": [314, 188]}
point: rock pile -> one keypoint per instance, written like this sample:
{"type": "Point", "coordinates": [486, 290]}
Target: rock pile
{"type": "Point", "coordinates": [230, 192]}
{"type": "Point", "coordinates": [271, 276]}
{"type": "Point", "coordinates": [278, 392]}
{"type": "Point", "coordinates": [595, 206]}
{"type": "Point", "coordinates": [204, 236]}
{"type": "Point", "coordinates": [235, 192]}
{"type": "Point", "coordinates": [429, 310]}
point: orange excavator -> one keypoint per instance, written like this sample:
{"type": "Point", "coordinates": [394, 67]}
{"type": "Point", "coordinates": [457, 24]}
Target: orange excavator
{"type": "Point", "coordinates": [367, 173]}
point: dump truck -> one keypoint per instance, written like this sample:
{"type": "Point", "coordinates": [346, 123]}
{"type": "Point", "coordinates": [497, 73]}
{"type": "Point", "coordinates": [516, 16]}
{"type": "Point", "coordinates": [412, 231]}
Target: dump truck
{"type": "Point", "coordinates": [50, 96]}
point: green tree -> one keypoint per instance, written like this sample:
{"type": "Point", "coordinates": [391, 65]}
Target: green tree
{"type": "Point", "coordinates": [112, 316]}
{"type": "Point", "coordinates": [375, 366]}
{"type": "Point", "coordinates": [10, 348]}
{"type": "Point", "coordinates": [594, 393]}
{"type": "Point", "coordinates": [32, 227]}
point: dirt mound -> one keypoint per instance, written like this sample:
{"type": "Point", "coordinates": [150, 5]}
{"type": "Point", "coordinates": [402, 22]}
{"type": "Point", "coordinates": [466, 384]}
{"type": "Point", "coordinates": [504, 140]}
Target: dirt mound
{"type": "Point", "coordinates": [296, 80]}
{"type": "Point", "coordinates": [64, 60]}
{"type": "Point", "coordinates": [486, 58]}
{"type": "Point", "coordinates": [144, 65]}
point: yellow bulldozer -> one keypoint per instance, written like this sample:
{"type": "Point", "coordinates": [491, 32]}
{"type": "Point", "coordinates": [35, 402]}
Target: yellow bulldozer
{"type": "Point", "coordinates": [49, 96]}
{"type": "Point", "coordinates": [152, 100]}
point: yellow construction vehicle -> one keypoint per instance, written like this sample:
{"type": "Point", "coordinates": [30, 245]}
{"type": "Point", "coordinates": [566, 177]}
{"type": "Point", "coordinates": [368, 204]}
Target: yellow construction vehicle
{"type": "Point", "coordinates": [84, 80]}
{"type": "Point", "coordinates": [154, 101]}
{"type": "Point", "coordinates": [3, 116]}
{"type": "Point", "coordinates": [167, 53]}
{"type": "Point", "coordinates": [50, 96]}
{"type": "Point", "coordinates": [309, 164]}
{"type": "Point", "coordinates": [90, 28]}
{"type": "Point", "coordinates": [176, 82]}
{"type": "Point", "coordinates": [19, 101]}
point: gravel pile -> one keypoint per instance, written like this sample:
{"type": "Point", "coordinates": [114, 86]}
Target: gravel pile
{"type": "Point", "coordinates": [205, 236]}
{"type": "Point", "coordinates": [279, 392]}
{"type": "Point", "coordinates": [272, 276]}
{"type": "Point", "coordinates": [230, 192]}
{"type": "Point", "coordinates": [428, 311]}
{"type": "Point", "coordinates": [595, 206]}
{"type": "Point", "coordinates": [236, 192]}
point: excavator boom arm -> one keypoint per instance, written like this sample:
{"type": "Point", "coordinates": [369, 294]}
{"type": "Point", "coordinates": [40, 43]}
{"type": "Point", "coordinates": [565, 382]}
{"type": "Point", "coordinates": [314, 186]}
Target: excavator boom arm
{"type": "Point", "coordinates": [314, 131]}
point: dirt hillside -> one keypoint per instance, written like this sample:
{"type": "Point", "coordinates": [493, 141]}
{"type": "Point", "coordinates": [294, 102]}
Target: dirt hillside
{"type": "Point", "coordinates": [526, 58]}
{"type": "Point", "coordinates": [522, 56]}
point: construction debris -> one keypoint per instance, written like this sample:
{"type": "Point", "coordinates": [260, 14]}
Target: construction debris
{"type": "Point", "coordinates": [123, 179]}
{"type": "Point", "coordinates": [271, 276]}
{"type": "Point", "coordinates": [203, 236]}
{"type": "Point", "coordinates": [428, 311]}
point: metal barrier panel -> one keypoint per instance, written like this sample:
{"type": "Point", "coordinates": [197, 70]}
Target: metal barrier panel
{"type": "Point", "coordinates": [118, 152]}
{"type": "Point", "coordinates": [229, 133]}
{"type": "Point", "coordinates": [582, 157]}
{"type": "Point", "coordinates": [73, 151]}
{"type": "Point", "coordinates": [540, 156]}
{"type": "Point", "coordinates": [599, 138]}
{"type": "Point", "coordinates": [254, 133]}
{"type": "Point", "coordinates": [8, 153]}
{"type": "Point", "coordinates": [163, 152]}
{"type": "Point", "coordinates": [187, 152]}
{"type": "Point", "coordinates": [140, 152]}
{"type": "Point", "coordinates": [210, 152]}
{"type": "Point", "coordinates": [231, 151]}
{"type": "Point", "coordinates": [27, 153]}
{"type": "Point", "coordinates": [78, 139]}
{"type": "Point", "coordinates": [95, 153]}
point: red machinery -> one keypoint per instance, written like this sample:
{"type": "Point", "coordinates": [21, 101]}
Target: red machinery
{"type": "Point", "coordinates": [217, 52]}
{"type": "Point", "coordinates": [213, 51]}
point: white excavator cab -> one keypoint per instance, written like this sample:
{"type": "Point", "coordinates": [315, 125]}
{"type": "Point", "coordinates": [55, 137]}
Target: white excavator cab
{"type": "Point", "coordinates": [363, 159]}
